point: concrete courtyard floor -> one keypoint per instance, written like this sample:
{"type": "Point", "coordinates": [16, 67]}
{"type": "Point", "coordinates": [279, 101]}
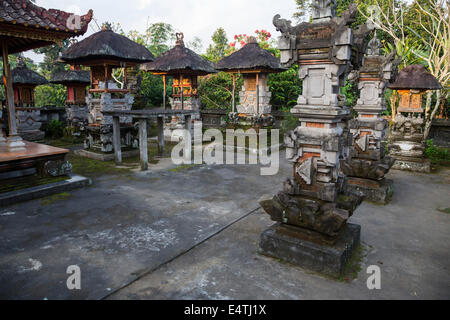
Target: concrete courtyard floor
{"type": "Point", "coordinates": [193, 232]}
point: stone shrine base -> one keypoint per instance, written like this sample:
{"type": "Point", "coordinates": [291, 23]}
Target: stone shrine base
{"type": "Point", "coordinates": [374, 191]}
{"type": "Point", "coordinates": [290, 244]}
{"type": "Point", "coordinates": [412, 164]}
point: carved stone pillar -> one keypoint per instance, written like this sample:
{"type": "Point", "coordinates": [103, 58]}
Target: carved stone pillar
{"type": "Point", "coordinates": [368, 164]}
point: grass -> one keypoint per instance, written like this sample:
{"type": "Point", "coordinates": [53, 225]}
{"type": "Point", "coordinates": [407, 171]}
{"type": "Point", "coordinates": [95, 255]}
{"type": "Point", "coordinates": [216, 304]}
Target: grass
{"type": "Point", "coordinates": [182, 167]}
{"type": "Point", "coordinates": [446, 210]}
{"type": "Point", "coordinates": [353, 266]}
{"type": "Point", "coordinates": [64, 142]}
{"type": "Point", "coordinates": [54, 198]}
{"type": "Point", "coordinates": [28, 182]}
{"type": "Point", "coordinates": [94, 168]}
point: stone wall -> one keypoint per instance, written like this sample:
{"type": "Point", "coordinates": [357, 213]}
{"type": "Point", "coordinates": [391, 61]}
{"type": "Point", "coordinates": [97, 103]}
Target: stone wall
{"type": "Point", "coordinates": [440, 133]}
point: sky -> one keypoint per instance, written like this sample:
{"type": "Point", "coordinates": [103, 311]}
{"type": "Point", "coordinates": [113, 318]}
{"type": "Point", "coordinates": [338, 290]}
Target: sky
{"type": "Point", "coordinates": [195, 18]}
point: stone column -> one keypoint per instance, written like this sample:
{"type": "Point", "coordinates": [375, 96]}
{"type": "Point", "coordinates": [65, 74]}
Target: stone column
{"type": "Point", "coordinates": [313, 208]}
{"type": "Point", "coordinates": [368, 164]}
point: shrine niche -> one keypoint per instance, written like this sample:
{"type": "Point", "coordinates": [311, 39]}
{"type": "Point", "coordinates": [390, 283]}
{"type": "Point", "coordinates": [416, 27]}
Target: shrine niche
{"type": "Point", "coordinates": [255, 64]}
{"type": "Point", "coordinates": [184, 66]}
{"type": "Point", "coordinates": [76, 82]}
{"type": "Point", "coordinates": [314, 206]}
{"type": "Point", "coordinates": [407, 143]}
{"type": "Point", "coordinates": [103, 52]}
{"type": "Point", "coordinates": [368, 164]}
{"type": "Point", "coordinates": [24, 82]}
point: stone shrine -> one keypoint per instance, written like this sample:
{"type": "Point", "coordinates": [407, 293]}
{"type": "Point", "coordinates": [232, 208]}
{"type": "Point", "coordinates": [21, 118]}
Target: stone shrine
{"type": "Point", "coordinates": [76, 81]}
{"type": "Point", "coordinates": [103, 52]}
{"type": "Point", "coordinates": [255, 64]}
{"type": "Point", "coordinates": [313, 209]}
{"type": "Point", "coordinates": [407, 143]}
{"type": "Point", "coordinates": [184, 66]}
{"type": "Point", "coordinates": [368, 164]}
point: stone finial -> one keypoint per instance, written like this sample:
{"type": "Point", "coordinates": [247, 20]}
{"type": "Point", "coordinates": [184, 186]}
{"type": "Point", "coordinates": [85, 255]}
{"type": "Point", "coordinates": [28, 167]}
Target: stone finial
{"type": "Point", "coordinates": [180, 39]}
{"type": "Point", "coordinates": [106, 26]}
{"type": "Point", "coordinates": [323, 9]}
{"type": "Point", "coordinates": [374, 46]}
{"type": "Point", "coordinates": [252, 40]}
{"type": "Point", "coordinates": [21, 61]}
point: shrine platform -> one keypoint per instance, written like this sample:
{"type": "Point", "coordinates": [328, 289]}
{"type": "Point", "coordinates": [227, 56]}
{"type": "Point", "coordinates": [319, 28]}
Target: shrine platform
{"type": "Point", "coordinates": [23, 175]}
{"type": "Point", "coordinates": [28, 160]}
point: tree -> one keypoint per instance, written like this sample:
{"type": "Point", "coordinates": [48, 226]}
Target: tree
{"type": "Point", "coordinates": [218, 49]}
{"type": "Point", "coordinates": [49, 66]}
{"type": "Point", "coordinates": [431, 27]}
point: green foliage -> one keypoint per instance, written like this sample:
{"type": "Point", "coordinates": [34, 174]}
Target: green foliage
{"type": "Point", "coordinates": [152, 90]}
{"type": "Point", "coordinates": [289, 122]}
{"type": "Point", "coordinates": [54, 129]}
{"type": "Point", "coordinates": [350, 91]}
{"type": "Point", "coordinates": [50, 95]}
{"type": "Point", "coordinates": [49, 67]}
{"type": "Point", "coordinates": [436, 154]}
{"type": "Point", "coordinates": [216, 91]}
{"type": "Point", "coordinates": [218, 49]}
{"type": "Point", "coordinates": [158, 37]}
{"type": "Point", "coordinates": [408, 52]}
{"type": "Point", "coordinates": [285, 88]}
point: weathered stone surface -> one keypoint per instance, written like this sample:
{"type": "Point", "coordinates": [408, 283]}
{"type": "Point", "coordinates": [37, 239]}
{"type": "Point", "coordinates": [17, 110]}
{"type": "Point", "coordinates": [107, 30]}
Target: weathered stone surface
{"type": "Point", "coordinates": [57, 168]}
{"type": "Point", "coordinates": [323, 217]}
{"type": "Point", "coordinates": [374, 191]}
{"type": "Point", "coordinates": [413, 164]}
{"type": "Point", "coordinates": [286, 243]}
{"type": "Point", "coordinates": [368, 169]}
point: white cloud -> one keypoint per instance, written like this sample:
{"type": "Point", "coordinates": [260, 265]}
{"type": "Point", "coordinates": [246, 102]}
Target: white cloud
{"type": "Point", "coordinates": [196, 18]}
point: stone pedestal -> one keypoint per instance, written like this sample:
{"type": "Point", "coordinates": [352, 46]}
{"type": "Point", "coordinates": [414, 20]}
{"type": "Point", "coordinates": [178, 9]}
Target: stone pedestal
{"type": "Point", "coordinates": [99, 130]}
{"type": "Point", "coordinates": [301, 247]}
{"type": "Point", "coordinates": [380, 192]}
{"type": "Point", "coordinates": [248, 112]}
{"type": "Point", "coordinates": [407, 144]}
{"type": "Point", "coordinates": [421, 165]}
{"type": "Point", "coordinates": [29, 124]}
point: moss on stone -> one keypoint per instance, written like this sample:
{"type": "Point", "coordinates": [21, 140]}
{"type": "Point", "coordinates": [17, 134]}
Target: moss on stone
{"type": "Point", "coordinates": [353, 266]}
{"type": "Point", "coordinates": [54, 198]}
{"type": "Point", "coordinates": [28, 182]}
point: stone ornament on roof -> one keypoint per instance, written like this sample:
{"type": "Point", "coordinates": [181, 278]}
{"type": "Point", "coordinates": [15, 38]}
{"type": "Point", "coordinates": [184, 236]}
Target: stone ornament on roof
{"type": "Point", "coordinates": [374, 46]}
{"type": "Point", "coordinates": [323, 9]}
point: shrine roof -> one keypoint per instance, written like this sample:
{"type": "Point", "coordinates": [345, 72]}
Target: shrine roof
{"type": "Point", "coordinates": [180, 60]}
{"type": "Point", "coordinates": [72, 76]}
{"type": "Point", "coordinates": [416, 77]}
{"type": "Point", "coordinates": [250, 57]}
{"type": "Point", "coordinates": [27, 26]}
{"type": "Point", "coordinates": [22, 75]}
{"type": "Point", "coordinates": [106, 45]}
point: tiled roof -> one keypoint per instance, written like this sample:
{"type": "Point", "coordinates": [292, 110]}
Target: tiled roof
{"type": "Point", "coordinates": [27, 14]}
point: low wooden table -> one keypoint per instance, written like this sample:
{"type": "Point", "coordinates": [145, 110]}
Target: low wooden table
{"type": "Point", "coordinates": [143, 116]}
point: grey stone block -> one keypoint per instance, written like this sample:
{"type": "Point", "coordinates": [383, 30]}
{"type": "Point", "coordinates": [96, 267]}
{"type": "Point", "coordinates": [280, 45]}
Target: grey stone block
{"type": "Point", "coordinates": [375, 191]}
{"type": "Point", "coordinates": [325, 259]}
{"type": "Point", "coordinates": [419, 165]}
